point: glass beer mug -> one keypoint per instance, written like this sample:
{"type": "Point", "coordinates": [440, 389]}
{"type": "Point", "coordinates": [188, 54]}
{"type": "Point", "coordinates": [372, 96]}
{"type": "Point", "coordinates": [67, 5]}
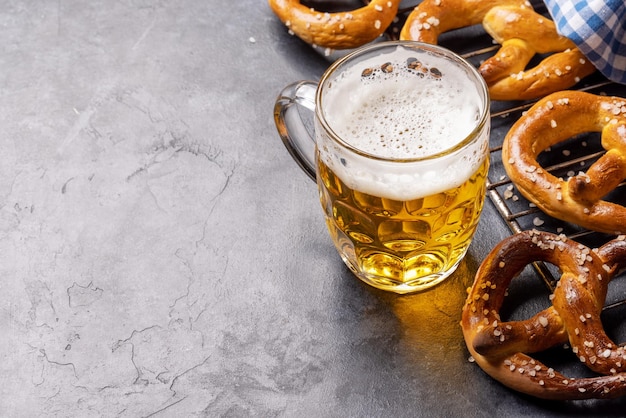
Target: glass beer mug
{"type": "Point", "coordinates": [400, 155]}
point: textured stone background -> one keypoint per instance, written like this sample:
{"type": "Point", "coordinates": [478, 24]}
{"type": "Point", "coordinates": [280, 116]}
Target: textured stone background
{"type": "Point", "coordinates": [162, 255]}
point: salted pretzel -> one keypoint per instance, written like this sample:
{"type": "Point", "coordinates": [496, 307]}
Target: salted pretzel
{"type": "Point", "coordinates": [522, 33]}
{"type": "Point", "coordinates": [578, 200]}
{"type": "Point", "coordinates": [431, 18]}
{"type": "Point", "coordinates": [502, 348]}
{"type": "Point", "coordinates": [340, 30]}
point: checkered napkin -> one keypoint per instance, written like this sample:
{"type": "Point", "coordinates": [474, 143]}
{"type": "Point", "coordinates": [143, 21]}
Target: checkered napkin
{"type": "Point", "coordinates": [598, 28]}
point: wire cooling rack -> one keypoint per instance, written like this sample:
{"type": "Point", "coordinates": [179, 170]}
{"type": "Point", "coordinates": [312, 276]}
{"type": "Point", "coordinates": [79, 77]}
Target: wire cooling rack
{"type": "Point", "coordinates": [562, 160]}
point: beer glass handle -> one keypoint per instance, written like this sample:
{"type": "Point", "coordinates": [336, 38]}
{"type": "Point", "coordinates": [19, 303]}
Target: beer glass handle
{"type": "Point", "coordinates": [295, 123]}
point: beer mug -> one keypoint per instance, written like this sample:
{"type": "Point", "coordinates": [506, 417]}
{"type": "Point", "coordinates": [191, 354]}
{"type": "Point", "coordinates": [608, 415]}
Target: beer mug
{"type": "Point", "coordinates": [396, 134]}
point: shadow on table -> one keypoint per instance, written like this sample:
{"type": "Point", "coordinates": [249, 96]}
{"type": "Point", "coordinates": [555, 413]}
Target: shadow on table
{"type": "Point", "coordinates": [431, 348]}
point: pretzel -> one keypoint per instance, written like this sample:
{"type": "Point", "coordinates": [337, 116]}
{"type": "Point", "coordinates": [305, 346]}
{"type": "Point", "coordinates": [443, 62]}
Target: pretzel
{"type": "Point", "coordinates": [578, 199]}
{"type": "Point", "coordinates": [431, 18]}
{"type": "Point", "coordinates": [341, 30]}
{"type": "Point", "coordinates": [522, 33]}
{"type": "Point", "coordinates": [502, 348]}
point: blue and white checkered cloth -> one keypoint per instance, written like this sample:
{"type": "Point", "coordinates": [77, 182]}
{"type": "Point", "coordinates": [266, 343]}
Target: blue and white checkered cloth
{"type": "Point", "coordinates": [598, 28]}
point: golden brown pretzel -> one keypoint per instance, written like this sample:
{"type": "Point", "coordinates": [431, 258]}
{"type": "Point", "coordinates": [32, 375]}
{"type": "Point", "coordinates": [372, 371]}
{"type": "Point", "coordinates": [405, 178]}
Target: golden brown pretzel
{"type": "Point", "coordinates": [431, 18]}
{"type": "Point", "coordinates": [341, 30]}
{"type": "Point", "coordinates": [502, 348]}
{"type": "Point", "coordinates": [523, 33]}
{"type": "Point", "coordinates": [578, 200]}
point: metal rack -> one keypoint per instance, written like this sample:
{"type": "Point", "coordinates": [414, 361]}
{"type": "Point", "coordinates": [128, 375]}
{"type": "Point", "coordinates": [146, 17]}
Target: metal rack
{"type": "Point", "coordinates": [520, 214]}
{"type": "Point", "coordinates": [572, 156]}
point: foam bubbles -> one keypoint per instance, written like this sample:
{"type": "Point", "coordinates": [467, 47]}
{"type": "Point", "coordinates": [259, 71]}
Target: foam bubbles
{"type": "Point", "coordinates": [403, 106]}
{"type": "Point", "coordinates": [401, 112]}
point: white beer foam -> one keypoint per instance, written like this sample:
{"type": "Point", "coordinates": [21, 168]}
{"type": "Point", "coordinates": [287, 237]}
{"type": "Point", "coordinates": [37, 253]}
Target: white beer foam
{"type": "Point", "coordinates": [403, 115]}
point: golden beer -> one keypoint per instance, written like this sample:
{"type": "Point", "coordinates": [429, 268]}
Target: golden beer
{"type": "Point", "coordinates": [399, 245]}
{"type": "Point", "coordinates": [402, 160]}
{"type": "Point", "coordinates": [400, 155]}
